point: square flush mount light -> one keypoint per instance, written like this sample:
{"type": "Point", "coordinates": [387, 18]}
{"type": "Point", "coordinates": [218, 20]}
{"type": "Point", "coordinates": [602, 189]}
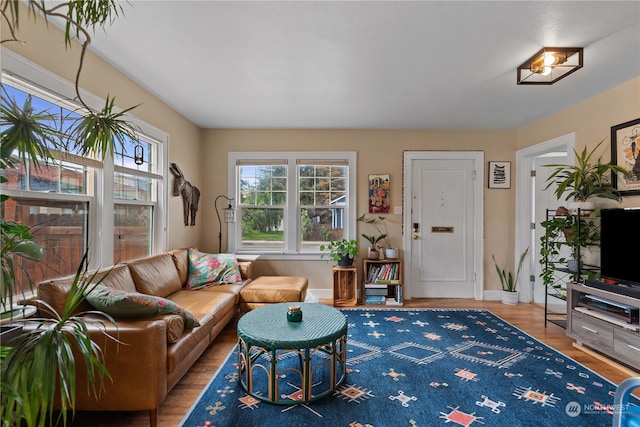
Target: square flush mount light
{"type": "Point", "coordinates": [550, 65]}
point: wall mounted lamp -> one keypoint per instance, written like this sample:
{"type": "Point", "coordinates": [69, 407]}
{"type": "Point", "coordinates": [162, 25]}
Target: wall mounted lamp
{"type": "Point", "coordinates": [550, 65]}
{"type": "Point", "coordinates": [229, 217]}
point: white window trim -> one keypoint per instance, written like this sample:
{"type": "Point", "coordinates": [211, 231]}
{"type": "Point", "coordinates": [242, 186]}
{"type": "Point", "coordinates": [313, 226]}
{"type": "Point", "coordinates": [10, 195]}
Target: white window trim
{"type": "Point", "coordinates": [100, 254]}
{"type": "Point", "coordinates": [233, 231]}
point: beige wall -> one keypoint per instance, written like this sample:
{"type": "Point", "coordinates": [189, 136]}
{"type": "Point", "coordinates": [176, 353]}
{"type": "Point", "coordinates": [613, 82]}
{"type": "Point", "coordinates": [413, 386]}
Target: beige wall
{"type": "Point", "coordinates": [202, 154]}
{"type": "Point", "coordinates": [45, 47]}
{"type": "Point", "coordinates": [591, 120]}
{"type": "Point", "coordinates": [378, 151]}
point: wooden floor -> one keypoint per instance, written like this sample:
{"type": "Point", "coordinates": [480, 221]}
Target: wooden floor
{"type": "Point", "coordinates": [527, 317]}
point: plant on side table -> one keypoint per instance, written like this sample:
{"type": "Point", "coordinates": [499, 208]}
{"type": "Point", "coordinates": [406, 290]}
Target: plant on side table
{"type": "Point", "coordinates": [344, 251]}
{"type": "Point", "coordinates": [373, 250]}
{"type": "Point", "coordinates": [379, 224]}
{"type": "Point", "coordinates": [508, 281]}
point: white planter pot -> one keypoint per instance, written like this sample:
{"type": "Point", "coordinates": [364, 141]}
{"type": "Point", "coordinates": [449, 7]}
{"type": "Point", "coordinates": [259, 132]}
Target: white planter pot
{"type": "Point", "coordinates": [510, 298]}
{"type": "Point", "coordinates": [391, 253]}
{"type": "Point", "coordinates": [585, 207]}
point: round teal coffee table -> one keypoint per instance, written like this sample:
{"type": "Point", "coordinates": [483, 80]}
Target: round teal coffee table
{"type": "Point", "coordinates": [267, 341]}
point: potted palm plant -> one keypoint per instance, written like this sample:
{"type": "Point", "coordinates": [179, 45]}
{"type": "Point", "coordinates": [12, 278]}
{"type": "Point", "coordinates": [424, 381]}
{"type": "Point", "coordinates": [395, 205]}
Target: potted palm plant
{"type": "Point", "coordinates": [508, 281]}
{"type": "Point", "coordinates": [41, 363]}
{"type": "Point", "coordinates": [344, 251]}
{"type": "Point", "coordinates": [585, 180]}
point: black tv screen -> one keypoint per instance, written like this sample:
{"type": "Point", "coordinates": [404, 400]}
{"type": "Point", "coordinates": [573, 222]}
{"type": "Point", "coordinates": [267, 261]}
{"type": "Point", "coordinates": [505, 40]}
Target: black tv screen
{"type": "Point", "coordinates": [619, 257]}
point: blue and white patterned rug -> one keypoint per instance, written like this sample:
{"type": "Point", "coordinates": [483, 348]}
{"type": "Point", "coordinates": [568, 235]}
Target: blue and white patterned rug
{"type": "Point", "coordinates": [427, 367]}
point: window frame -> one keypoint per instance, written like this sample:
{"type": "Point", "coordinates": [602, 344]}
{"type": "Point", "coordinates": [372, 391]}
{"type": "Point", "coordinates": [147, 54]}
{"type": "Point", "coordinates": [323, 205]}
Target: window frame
{"type": "Point", "coordinates": [53, 88]}
{"type": "Point", "coordinates": [291, 249]}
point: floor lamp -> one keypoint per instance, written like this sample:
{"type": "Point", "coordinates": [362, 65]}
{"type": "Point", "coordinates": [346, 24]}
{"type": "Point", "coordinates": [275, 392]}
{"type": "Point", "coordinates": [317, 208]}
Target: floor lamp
{"type": "Point", "coordinates": [229, 217]}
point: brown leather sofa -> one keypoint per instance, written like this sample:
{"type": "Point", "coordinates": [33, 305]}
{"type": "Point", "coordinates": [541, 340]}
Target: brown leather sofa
{"type": "Point", "coordinates": [154, 352]}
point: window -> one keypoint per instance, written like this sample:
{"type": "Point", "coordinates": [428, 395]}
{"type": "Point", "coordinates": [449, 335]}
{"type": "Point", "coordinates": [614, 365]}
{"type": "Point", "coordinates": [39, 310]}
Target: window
{"type": "Point", "coordinates": [76, 203]}
{"type": "Point", "coordinates": [291, 203]}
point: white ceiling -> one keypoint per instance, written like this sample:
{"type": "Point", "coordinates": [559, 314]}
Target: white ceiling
{"type": "Point", "coordinates": [362, 64]}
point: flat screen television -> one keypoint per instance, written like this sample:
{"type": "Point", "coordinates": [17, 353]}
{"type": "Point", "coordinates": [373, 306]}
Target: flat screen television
{"type": "Point", "coordinates": [619, 256]}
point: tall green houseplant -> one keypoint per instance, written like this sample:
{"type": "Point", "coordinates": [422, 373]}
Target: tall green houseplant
{"type": "Point", "coordinates": [586, 179]}
{"type": "Point", "coordinates": [40, 364]}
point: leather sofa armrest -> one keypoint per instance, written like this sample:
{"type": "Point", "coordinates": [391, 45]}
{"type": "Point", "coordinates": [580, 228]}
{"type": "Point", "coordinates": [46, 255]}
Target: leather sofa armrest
{"type": "Point", "coordinates": [137, 364]}
{"type": "Point", "coordinates": [246, 269]}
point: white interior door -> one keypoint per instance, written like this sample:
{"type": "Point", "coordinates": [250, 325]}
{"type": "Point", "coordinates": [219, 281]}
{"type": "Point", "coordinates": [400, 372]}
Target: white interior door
{"type": "Point", "coordinates": [443, 241]}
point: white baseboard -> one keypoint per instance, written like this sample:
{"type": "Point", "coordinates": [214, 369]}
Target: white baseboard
{"type": "Point", "coordinates": [318, 294]}
{"type": "Point", "coordinates": [492, 295]}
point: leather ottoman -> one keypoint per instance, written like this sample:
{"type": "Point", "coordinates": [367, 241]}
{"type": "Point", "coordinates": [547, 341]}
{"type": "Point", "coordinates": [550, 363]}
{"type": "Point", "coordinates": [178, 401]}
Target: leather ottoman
{"type": "Point", "coordinates": [266, 290]}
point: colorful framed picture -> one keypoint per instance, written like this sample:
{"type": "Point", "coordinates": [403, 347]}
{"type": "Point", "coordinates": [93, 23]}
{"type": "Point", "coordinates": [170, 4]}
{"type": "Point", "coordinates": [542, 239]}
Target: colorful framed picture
{"type": "Point", "coordinates": [625, 152]}
{"type": "Point", "coordinates": [379, 189]}
{"type": "Point", "coordinates": [499, 174]}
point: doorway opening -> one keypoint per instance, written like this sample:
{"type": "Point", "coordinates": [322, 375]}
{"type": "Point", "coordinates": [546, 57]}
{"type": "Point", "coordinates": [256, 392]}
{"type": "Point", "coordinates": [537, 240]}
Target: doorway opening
{"type": "Point", "coordinates": [532, 203]}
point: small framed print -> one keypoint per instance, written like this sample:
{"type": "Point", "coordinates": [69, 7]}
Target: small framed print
{"type": "Point", "coordinates": [625, 152]}
{"type": "Point", "coordinates": [499, 174]}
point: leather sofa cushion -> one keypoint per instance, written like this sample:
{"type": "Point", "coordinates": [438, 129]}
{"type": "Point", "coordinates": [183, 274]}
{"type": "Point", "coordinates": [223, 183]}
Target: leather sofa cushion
{"type": "Point", "coordinates": [274, 289]}
{"type": "Point", "coordinates": [175, 327]}
{"type": "Point", "coordinates": [181, 261]}
{"type": "Point", "coordinates": [56, 291]}
{"type": "Point", "coordinates": [156, 275]}
{"type": "Point", "coordinates": [205, 303]}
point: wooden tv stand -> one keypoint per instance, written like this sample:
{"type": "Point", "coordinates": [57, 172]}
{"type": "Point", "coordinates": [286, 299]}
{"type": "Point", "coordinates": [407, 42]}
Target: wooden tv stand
{"type": "Point", "coordinates": [607, 334]}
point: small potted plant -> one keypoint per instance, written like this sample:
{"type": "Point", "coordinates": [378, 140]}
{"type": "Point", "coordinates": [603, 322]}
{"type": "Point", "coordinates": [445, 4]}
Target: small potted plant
{"type": "Point", "coordinates": [373, 250]}
{"type": "Point", "coordinates": [344, 251]}
{"type": "Point", "coordinates": [585, 180]}
{"type": "Point", "coordinates": [509, 282]}
{"type": "Point", "coordinates": [378, 223]}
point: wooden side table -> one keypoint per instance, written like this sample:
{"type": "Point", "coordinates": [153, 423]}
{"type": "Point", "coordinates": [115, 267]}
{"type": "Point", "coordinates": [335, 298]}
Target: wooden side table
{"type": "Point", "coordinates": [345, 286]}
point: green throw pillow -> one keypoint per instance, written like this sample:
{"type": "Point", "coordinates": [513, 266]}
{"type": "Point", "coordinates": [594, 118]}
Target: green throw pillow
{"type": "Point", "coordinates": [119, 303]}
{"type": "Point", "coordinates": [212, 269]}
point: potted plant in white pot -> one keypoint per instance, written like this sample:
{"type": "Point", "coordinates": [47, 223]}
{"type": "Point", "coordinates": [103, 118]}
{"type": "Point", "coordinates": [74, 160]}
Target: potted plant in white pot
{"type": "Point", "coordinates": [585, 180]}
{"type": "Point", "coordinates": [508, 281]}
{"type": "Point", "coordinates": [379, 224]}
{"type": "Point", "coordinates": [344, 251]}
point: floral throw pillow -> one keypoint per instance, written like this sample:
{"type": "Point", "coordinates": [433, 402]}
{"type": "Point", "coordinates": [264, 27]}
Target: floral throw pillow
{"type": "Point", "coordinates": [212, 269]}
{"type": "Point", "coordinates": [124, 304]}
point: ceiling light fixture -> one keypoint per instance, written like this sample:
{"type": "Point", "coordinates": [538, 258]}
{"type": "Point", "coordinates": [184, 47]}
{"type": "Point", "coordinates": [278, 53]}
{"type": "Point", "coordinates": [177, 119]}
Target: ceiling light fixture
{"type": "Point", "coordinates": [550, 65]}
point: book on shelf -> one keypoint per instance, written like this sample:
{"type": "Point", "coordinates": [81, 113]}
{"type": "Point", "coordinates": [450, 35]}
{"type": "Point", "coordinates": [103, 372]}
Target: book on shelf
{"type": "Point", "coordinates": [376, 285]}
{"type": "Point", "coordinates": [389, 282]}
{"type": "Point", "coordinates": [375, 299]}
{"type": "Point", "coordinates": [377, 291]}
{"type": "Point", "coordinates": [393, 301]}
{"type": "Point", "coordinates": [386, 271]}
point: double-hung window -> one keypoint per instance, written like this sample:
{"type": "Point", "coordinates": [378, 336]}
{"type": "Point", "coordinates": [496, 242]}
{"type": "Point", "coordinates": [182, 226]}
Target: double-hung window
{"type": "Point", "coordinates": [112, 209]}
{"type": "Point", "coordinates": [290, 203]}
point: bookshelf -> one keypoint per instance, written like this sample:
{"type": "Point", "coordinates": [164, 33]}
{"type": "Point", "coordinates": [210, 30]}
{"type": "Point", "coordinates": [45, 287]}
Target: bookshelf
{"type": "Point", "coordinates": [382, 282]}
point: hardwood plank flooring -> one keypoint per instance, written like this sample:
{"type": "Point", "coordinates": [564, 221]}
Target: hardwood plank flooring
{"type": "Point", "coordinates": [527, 317]}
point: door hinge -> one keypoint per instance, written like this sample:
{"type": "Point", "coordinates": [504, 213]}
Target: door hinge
{"type": "Point", "coordinates": [473, 276]}
{"type": "Point", "coordinates": [473, 175]}
{"type": "Point", "coordinates": [533, 172]}
{"type": "Point", "coordinates": [533, 225]}
{"type": "Point", "coordinates": [532, 278]}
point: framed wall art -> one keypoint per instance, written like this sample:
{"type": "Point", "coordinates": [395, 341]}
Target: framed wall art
{"type": "Point", "coordinates": [379, 189]}
{"type": "Point", "coordinates": [499, 174]}
{"type": "Point", "coordinates": [625, 152]}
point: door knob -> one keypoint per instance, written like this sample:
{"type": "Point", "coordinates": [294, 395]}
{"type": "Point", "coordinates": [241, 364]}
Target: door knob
{"type": "Point", "coordinates": [416, 237]}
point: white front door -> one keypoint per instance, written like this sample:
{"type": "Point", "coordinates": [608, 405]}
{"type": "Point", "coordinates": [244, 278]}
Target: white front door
{"type": "Point", "coordinates": [444, 243]}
